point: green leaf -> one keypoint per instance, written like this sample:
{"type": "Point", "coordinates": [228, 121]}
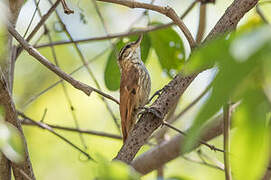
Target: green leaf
{"type": "Point", "coordinates": [177, 178]}
{"type": "Point", "coordinates": [11, 142]}
{"type": "Point", "coordinates": [115, 170]}
{"type": "Point", "coordinates": [236, 75]}
{"type": "Point", "coordinates": [145, 46]}
{"type": "Point", "coordinates": [112, 73]}
{"type": "Point", "coordinates": [169, 49]}
{"type": "Point", "coordinates": [207, 55]}
{"type": "Point", "coordinates": [250, 147]}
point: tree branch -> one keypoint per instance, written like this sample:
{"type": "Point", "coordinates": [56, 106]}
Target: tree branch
{"type": "Point", "coordinates": [171, 120]}
{"type": "Point", "coordinates": [231, 17]}
{"type": "Point", "coordinates": [118, 35]}
{"type": "Point", "coordinates": [167, 11]}
{"type": "Point", "coordinates": [90, 72]}
{"type": "Point", "coordinates": [202, 23]}
{"type": "Point", "coordinates": [76, 84]}
{"type": "Point", "coordinates": [25, 121]}
{"type": "Point", "coordinates": [11, 117]}
{"type": "Point", "coordinates": [171, 149]}
{"type": "Point", "coordinates": [212, 147]}
{"type": "Point", "coordinates": [38, 26]}
{"type": "Point", "coordinates": [203, 163]}
{"type": "Point", "coordinates": [48, 128]}
{"type": "Point", "coordinates": [149, 123]}
{"type": "Point", "coordinates": [226, 120]}
{"type": "Point", "coordinates": [6, 81]}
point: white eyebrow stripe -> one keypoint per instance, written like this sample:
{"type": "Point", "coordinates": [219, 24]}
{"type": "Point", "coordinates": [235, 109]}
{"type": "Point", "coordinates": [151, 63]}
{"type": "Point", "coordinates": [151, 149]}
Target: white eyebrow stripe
{"type": "Point", "coordinates": [130, 54]}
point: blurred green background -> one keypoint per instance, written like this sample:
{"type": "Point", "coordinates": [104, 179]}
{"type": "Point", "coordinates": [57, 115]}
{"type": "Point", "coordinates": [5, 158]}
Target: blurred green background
{"type": "Point", "coordinates": [51, 157]}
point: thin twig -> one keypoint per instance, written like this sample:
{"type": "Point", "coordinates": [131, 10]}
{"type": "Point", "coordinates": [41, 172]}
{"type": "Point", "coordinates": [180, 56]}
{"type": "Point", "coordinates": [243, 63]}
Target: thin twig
{"type": "Point", "coordinates": [260, 13]}
{"type": "Point", "coordinates": [167, 11]}
{"type": "Point", "coordinates": [203, 163]}
{"type": "Point", "coordinates": [226, 120]}
{"type": "Point", "coordinates": [34, 97]}
{"type": "Point", "coordinates": [84, 61]}
{"type": "Point", "coordinates": [32, 18]}
{"type": "Point", "coordinates": [64, 87]}
{"type": "Point", "coordinates": [178, 116]}
{"type": "Point", "coordinates": [67, 94]}
{"type": "Point", "coordinates": [212, 147]}
{"type": "Point", "coordinates": [39, 25]}
{"type": "Point", "coordinates": [44, 126]}
{"type": "Point", "coordinates": [202, 23]}
{"type": "Point", "coordinates": [67, 10]}
{"type": "Point", "coordinates": [89, 132]}
{"type": "Point", "coordinates": [23, 173]}
{"type": "Point", "coordinates": [104, 26]}
{"type": "Point", "coordinates": [119, 35]}
{"type": "Point", "coordinates": [187, 108]}
{"type": "Point", "coordinates": [203, 156]}
{"type": "Point", "coordinates": [33, 52]}
{"type": "Point", "coordinates": [43, 115]}
{"type": "Point", "coordinates": [100, 54]}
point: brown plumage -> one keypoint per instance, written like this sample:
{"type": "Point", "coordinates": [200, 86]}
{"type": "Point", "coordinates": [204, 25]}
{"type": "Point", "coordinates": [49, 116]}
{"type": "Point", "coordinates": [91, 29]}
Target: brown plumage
{"type": "Point", "coordinates": [135, 85]}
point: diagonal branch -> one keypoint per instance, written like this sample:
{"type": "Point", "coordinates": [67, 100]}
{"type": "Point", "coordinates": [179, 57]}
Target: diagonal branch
{"type": "Point", "coordinates": [212, 147]}
{"type": "Point", "coordinates": [148, 123]}
{"type": "Point", "coordinates": [119, 35]}
{"type": "Point", "coordinates": [53, 51]}
{"type": "Point", "coordinates": [7, 65]}
{"type": "Point", "coordinates": [90, 72]}
{"type": "Point", "coordinates": [171, 149]}
{"type": "Point", "coordinates": [48, 128]}
{"type": "Point", "coordinates": [25, 121]}
{"type": "Point", "coordinates": [76, 84]}
{"type": "Point", "coordinates": [11, 116]}
{"type": "Point", "coordinates": [227, 121]}
{"type": "Point", "coordinates": [39, 25]}
{"type": "Point", "coordinates": [167, 11]}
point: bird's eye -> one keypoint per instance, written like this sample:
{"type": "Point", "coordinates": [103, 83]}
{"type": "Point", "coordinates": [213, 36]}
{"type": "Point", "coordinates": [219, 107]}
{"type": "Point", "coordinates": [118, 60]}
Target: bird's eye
{"type": "Point", "coordinates": [123, 51]}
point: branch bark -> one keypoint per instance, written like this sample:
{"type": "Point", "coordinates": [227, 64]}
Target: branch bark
{"type": "Point", "coordinates": [167, 11]}
{"type": "Point", "coordinates": [148, 123]}
{"type": "Point", "coordinates": [11, 117]}
{"type": "Point", "coordinates": [227, 122]}
{"type": "Point", "coordinates": [169, 150]}
{"type": "Point", "coordinates": [6, 81]}
{"type": "Point", "coordinates": [76, 84]}
{"type": "Point", "coordinates": [118, 35]}
{"type": "Point", "coordinates": [231, 17]}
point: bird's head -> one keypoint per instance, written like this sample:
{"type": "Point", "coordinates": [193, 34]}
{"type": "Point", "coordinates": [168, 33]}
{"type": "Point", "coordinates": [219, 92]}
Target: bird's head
{"type": "Point", "coordinates": [130, 51]}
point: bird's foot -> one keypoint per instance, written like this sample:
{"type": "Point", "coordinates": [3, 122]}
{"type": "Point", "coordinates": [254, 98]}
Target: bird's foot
{"type": "Point", "coordinates": [152, 110]}
{"type": "Point", "coordinates": [157, 93]}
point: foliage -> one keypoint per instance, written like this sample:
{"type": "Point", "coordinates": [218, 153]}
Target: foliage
{"type": "Point", "coordinates": [241, 60]}
{"type": "Point", "coordinates": [112, 73]}
{"type": "Point", "coordinates": [169, 49]}
{"type": "Point", "coordinates": [115, 170]}
{"type": "Point", "coordinates": [167, 45]}
{"type": "Point", "coordinates": [10, 141]}
{"type": "Point", "coordinates": [177, 178]}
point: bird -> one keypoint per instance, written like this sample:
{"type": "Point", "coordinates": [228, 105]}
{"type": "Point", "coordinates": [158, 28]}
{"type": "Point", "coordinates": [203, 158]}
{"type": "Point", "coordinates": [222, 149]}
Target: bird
{"type": "Point", "coordinates": [135, 85]}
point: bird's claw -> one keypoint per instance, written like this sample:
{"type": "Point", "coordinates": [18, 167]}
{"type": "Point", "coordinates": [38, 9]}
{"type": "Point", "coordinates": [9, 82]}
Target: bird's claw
{"type": "Point", "coordinates": [157, 93]}
{"type": "Point", "coordinates": [152, 110]}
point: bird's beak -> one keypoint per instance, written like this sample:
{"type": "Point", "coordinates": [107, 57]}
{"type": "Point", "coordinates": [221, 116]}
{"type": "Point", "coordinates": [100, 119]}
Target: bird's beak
{"type": "Point", "coordinates": [138, 41]}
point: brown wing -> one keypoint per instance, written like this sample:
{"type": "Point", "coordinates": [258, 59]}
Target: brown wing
{"type": "Point", "coordinates": [128, 99]}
